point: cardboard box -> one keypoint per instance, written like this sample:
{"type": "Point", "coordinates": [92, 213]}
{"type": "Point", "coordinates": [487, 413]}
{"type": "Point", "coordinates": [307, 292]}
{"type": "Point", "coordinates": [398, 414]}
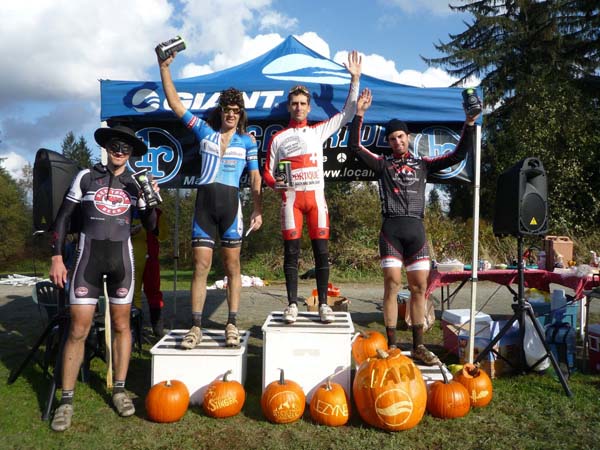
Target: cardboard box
{"type": "Point", "coordinates": [309, 351]}
{"type": "Point", "coordinates": [198, 367]}
{"type": "Point", "coordinates": [490, 363]}
{"type": "Point", "coordinates": [336, 303]}
{"type": "Point", "coordinates": [457, 321]}
{"type": "Point", "coordinates": [557, 245]}
{"type": "Point", "coordinates": [594, 347]}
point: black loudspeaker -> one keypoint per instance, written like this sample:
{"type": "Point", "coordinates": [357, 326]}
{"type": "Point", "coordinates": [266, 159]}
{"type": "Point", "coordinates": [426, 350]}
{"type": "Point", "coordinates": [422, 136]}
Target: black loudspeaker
{"type": "Point", "coordinates": [52, 176]}
{"type": "Point", "coordinates": [522, 200]}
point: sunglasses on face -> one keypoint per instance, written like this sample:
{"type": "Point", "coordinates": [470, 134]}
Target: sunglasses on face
{"type": "Point", "coordinates": [119, 147]}
{"type": "Point", "coordinates": [227, 110]}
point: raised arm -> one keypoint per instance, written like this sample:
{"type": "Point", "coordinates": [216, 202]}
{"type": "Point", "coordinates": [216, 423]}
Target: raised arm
{"type": "Point", "coordinates": [168, 86]}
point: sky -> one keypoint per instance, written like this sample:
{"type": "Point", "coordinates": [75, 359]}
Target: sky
{"type": "Point", "coordinates": [56, 51]}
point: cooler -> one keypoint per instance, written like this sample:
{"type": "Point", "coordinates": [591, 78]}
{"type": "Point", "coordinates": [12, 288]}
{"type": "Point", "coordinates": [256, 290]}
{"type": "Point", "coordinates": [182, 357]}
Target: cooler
{"type": "Point", "coordinates": [456, 321]}
{"type": "Point", "coordinates": [198, 367]}
{"type": "Point", "coordinates": [308, 351]}
{"type": "Point", "coordinates": [594, 347]}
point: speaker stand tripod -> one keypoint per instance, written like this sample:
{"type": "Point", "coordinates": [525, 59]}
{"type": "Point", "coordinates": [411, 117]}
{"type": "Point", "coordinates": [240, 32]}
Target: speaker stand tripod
{"type": "Point", "coordinates": [60, 320]}
{"type": "Point", "coordinates": [522, 308]}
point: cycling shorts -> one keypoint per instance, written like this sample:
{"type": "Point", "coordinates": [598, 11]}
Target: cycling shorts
{"type": "Point", "coordinates": [402, 240]}
{"type": "Point", "coordinates": [297, 204]}
{"type": "Point", "coordinates": [218, 213]}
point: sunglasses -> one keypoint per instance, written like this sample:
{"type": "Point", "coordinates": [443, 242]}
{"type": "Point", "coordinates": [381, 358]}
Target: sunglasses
{"type": "Point", "coordinates": [119, 147]}
{"type": "Point", "coordinates": [227, 110]}
{"type": "Point", "coordinates": [299, 89]}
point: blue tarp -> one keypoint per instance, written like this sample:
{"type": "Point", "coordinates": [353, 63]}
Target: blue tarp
{"type": "Point", "coordinates": [266, 80]}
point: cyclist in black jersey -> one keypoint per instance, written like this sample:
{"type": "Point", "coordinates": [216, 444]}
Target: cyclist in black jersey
{"type": "Point", "coordinates": [402, 240]}
{"type": "Point", "coordinates": [106, 196]}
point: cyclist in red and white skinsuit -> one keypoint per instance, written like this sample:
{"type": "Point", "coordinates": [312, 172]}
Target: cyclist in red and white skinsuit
{"type": "Point", "coordinates": [302, 145]}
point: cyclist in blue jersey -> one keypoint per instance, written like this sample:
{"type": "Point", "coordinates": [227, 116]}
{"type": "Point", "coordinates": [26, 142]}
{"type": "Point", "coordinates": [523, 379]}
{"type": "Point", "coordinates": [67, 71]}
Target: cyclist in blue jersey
{"type": "Point", "coordinates": [226, 150]}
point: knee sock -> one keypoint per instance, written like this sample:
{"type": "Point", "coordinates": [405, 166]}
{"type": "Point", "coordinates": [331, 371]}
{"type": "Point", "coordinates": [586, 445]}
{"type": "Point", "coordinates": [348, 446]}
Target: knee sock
{"type": "Point", "coordinates": [231, 318]}
{"type": "Point", "coordinates": [291, 251]}
{"type": "Point", "coordinates": [197, 319]}
{"type": "Point", "coordinates": [391, 335]}
{"type": "Point", "coordinates": [66, 397]}
{"type": "Point", "coordinates": [118, 386]}
{"type": "Point", "coordinates": [417, 333]}
{"type": "Point", "coordinates": [321, 254]}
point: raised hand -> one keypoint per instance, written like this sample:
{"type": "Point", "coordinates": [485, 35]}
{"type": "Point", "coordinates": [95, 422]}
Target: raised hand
{"type": "Point", "coordinates": [354, 65]}
{"type": "Point", "coordinates": [364, 101]}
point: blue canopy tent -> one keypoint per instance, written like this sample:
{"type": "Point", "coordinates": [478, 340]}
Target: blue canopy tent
{"type": "Point", "coordinates": [434, 116]}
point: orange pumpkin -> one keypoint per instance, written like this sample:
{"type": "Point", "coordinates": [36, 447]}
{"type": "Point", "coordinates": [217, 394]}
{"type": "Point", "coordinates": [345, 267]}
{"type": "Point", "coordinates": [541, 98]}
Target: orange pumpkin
{"type": "Point", "coordinates": [167, 401]}
{"type": "Point", "coordinates": [389, 391]}
{"type": "Point", "coordinates": [329, 404]}
{"type": "Point", "coordinates": [478, 384]}
{"type": "Point", "coordinates": [224, 398]}
{"type": "Point", "coordinates": [366, 344]}
{"type": "Point", "coordinates": [448, 399]}
{"type": "Point", "coordinates": [283, 401]}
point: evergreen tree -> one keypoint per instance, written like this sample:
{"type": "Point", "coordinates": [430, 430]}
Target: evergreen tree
{"type": "Point", "coordinates": [15, 220]}
{"type": "Point", "coordinates": [538, 62]}
{"type": "Point", "coordinates": [77, 151]}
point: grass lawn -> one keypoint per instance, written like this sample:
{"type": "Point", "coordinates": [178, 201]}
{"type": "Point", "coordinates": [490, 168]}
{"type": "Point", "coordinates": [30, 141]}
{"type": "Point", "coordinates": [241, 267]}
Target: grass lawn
{"type": "Point", "coordinates": [528, 411]}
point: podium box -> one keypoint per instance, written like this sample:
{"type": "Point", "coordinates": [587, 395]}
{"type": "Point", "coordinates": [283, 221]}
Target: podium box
{"type": "Point", "coordinates": [198, 367]}
{"type": "Point", "coordinates": [308, 351]}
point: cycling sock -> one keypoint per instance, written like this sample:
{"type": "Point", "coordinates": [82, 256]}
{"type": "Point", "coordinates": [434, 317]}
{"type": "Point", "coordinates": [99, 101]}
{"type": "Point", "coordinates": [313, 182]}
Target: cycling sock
{"type": "Point", "coordinates": [321, 254]}
{"type": "Point", "coordinates": [417, 333]}
{"type": "Point", "coordinates": [118, 386]}
{"type": "Point", "coordinates": [66, 397]}
{"type": "Point", "coordinates": [291, 251]}
{"type": "Point", "coordinates": [197, 319]}
{"type": "Point", "coordinates": [391, 335]}
{"type": "Point", "coordinates": [231, 318]}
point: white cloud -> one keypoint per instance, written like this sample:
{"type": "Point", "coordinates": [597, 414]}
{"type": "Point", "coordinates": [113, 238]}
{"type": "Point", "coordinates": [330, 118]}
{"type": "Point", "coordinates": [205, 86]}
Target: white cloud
{"type": "Point", "coordinates": [13, 163]}
{"type": "Point", "coordinates": [57, 49]}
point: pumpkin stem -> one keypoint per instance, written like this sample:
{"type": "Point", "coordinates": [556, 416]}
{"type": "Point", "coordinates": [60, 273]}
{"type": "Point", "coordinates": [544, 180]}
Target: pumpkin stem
{"type": "Point", "coordinates": [168, 383]}
{"type": "Point", "coordinates": [328, 383]}
{"type": "Point", "coordinates": [441, 367]}
{"type": "Point", "coordinates": [226, 374]}
{"type": "Point", "coordinates": [382, 354]}
{"type": "Point", "coordinates": [281, 377]}
{"type": "Point", "coordinates": [363, 334]}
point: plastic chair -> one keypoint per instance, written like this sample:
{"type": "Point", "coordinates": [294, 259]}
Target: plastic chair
{"type": "Point", "coordinates": [47, 296]}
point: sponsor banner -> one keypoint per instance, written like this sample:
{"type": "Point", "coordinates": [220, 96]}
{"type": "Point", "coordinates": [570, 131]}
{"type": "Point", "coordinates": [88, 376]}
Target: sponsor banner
{"type": "Point", "coordinates": [174, 161]}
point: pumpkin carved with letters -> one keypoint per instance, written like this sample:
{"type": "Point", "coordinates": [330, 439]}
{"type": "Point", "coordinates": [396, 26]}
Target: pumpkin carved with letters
{"type": "Point", "coordinates": [389, 391]}
{"type": "Point", "coordinates": [329, 404]}
{"type": "Point", "coordinates": [283, 401]}
{"type": "Point", "coordinates": [224, 398]}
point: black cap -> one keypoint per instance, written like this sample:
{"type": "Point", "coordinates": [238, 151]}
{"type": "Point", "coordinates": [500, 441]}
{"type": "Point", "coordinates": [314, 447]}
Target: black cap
{"type": "Point", "coordinates": [395, 125]}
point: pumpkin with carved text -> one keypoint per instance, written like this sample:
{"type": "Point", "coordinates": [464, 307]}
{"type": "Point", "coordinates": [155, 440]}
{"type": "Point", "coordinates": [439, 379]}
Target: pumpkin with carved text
{"type": "Point", "coordinates": [478, 384]}
{"type": "Point", "coordinates": [389, 391]}
{"type": "Point", "coordinates": [366, 344]}
{"type": "Point", "coordinates": [283, 401]}
{"type": "Point", "coordinates": [224, 398]}
{"type": "Point", "coordinates": [329, 404]}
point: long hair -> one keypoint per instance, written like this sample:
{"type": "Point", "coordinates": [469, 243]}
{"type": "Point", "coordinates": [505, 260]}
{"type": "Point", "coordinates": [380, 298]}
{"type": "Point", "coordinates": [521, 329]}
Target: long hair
{"type": "Point", "coordinates": [228, 97]}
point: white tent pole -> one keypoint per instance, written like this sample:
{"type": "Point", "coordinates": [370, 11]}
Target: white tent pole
{"type": "Point", "coordinates": [175, 257]}
{"type": "Point", "coordinates": [474, 262]}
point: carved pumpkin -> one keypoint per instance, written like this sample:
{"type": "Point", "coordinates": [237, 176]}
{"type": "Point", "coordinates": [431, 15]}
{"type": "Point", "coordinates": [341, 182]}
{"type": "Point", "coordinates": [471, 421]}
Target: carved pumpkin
{"type": "Point", "coordinates": [366, 344]}
{"type": "Point", "coordinates": [329, 404]}
{"type": "Point", "coordinates": [283, 401]}
{"type": "Point", "coordinates": [224, 398]}
{"type": "Point", "coordinates": [478, 384]}
{"type": "Point", "coordinates": [167, 401]}
{"type": "Point", "coordinates": [389, 391]}
{"type": "Point", "coordinates": [448, 399]}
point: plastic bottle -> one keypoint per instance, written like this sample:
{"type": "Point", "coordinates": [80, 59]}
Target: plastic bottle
{"type": "Point", "coordinates": [541, 262]}
{"type": "Point", "coordinates": [534, 347]}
